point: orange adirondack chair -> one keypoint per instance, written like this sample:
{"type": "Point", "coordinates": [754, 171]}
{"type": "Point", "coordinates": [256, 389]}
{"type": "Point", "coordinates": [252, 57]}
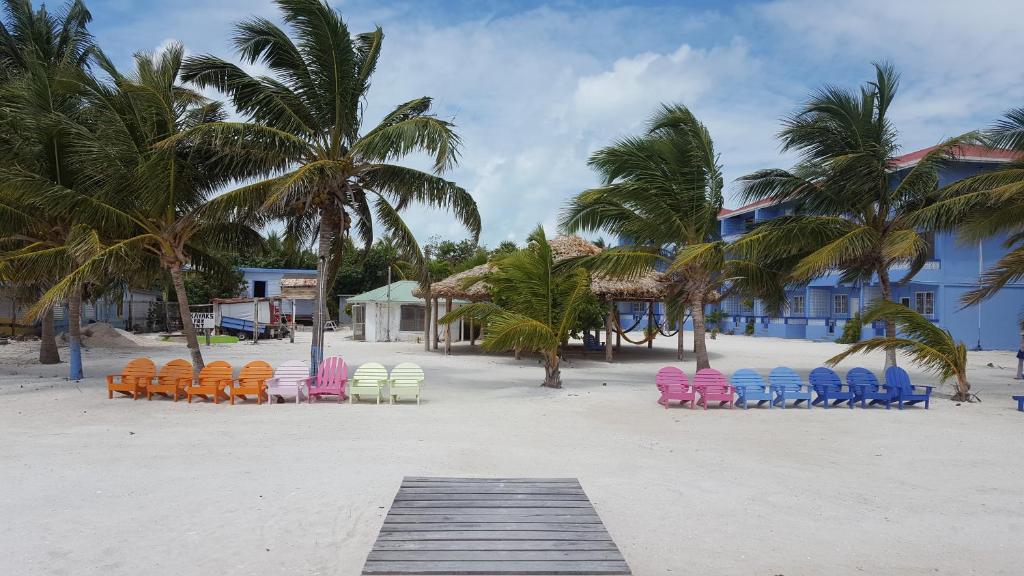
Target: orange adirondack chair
{"type": "Point", "coordinates": [133, 380]}
{"type": "Point", "coordinates": [252, 380]}
{"type": "Point", "coordinates": [174, 378]}
{"type": "Point", "coordinates": [212, 381]}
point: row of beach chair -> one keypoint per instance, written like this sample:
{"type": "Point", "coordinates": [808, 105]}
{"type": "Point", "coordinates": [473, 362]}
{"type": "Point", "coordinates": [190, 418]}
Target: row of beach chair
{"type": "Point", "coordinates": [785, 385]}
{"type": "Point", "coordinates": [262, 382]}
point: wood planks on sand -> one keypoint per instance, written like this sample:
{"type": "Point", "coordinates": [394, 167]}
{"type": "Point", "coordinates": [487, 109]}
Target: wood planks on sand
{"type": "Point", "coordinates": [493, 527]}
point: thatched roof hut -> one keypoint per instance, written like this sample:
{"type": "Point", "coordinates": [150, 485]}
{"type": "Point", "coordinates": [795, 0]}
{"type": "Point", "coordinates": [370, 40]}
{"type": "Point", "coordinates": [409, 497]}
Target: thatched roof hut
{"type": "Point", "coordinates": [650, 286]}
{"type": "Point", "coordinates": [455, 287]}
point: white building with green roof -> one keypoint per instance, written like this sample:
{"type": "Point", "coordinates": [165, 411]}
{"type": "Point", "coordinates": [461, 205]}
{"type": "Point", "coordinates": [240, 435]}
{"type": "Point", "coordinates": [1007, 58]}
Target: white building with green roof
{"type": "Point", "coordinates": [391, 313]}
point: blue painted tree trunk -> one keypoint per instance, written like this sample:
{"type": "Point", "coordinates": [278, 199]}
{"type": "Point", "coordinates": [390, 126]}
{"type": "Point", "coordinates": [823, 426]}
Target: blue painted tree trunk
{"type": "Point", "coordinates": [75, 335]}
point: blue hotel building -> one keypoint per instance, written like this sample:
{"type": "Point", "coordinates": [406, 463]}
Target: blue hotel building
{"type": "Point", "coordinates": [820, 310]}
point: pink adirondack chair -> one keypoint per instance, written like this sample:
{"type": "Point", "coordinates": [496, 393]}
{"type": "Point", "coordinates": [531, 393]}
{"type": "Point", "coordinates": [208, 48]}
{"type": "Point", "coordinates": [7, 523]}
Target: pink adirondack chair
{"type": "Point", "coordinates": [674, 386]}
{"type": "Point", "coordinates": [287, 380]}
{"type": "Point", "coordinates": [330, 380]}
{"type": "Point", "coordinates": [712, 386]}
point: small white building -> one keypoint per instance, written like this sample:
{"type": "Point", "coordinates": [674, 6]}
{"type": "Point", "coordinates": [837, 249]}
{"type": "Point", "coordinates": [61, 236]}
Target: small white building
{"type": "Point", "coordinates": [391, 313]}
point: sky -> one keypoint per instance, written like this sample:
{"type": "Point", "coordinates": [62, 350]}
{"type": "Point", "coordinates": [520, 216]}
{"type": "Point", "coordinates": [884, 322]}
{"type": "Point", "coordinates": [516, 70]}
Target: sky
{"type": "Point", "coordinates": [536, 87]}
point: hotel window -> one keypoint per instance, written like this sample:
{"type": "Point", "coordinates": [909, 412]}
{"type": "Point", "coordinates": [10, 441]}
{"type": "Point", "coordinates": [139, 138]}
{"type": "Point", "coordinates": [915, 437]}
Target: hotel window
{"type": "Point", "coordinates": [413, 318]}
{"type": "Point", "coordinates": [797, 306]}
{"type": "Point", "coordinates": [924, 303]}
{"type": "Point", "coordinates": [639, 310]}
{"type": "Point", "coordinates": [841, 304]}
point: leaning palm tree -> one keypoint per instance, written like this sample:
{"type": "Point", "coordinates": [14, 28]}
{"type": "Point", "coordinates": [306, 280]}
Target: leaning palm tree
{"type": "Point", "coordinates": [536, 305]}
{"type": "Point", "coordinates": [852, 215]}
{"type": "Point", "coordinates": [662, 191]}
{"type": "Point", "coordinates": [39, 50]}
{"type": "Point", "coordinates": [135, 144]}
{"type": "Point", "coordinates": [327, 175]}
{"type": "Point", "coordinates": [927, 345]}
{"type": "Point", "coordinates": [987, 205]}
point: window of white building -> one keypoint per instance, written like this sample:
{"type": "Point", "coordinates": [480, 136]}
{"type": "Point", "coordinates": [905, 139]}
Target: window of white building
{"type": "Point", "coordinates": [840, 304]}
{"type": "Point", "coordinates": [797, 305]}
{"type": "Point", "coordinates": [924, 303]}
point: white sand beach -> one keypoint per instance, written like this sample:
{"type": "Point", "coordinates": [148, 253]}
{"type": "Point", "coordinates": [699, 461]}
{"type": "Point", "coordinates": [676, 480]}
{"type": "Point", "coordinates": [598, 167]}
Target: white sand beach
{"type": "Point", "coordinates": [97, 486]}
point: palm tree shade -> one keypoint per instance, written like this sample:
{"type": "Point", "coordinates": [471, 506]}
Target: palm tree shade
{"type": "Point", "coordinates": [535, 307]}
{"type": "Point", "coordinates": [136, 144]}
{"type": "Point", "coordinates": [927, 345]}
{"type": "Point", "coordinates": [853, 214]}
{"type": "Point", "coordinates": [39, 51]}
{"type": "Point", "coordinates": [662, 192]}
{"type": "Point", "coordinates": [324, 174]}
{"type": "Point", "coordinates": [989, 204]}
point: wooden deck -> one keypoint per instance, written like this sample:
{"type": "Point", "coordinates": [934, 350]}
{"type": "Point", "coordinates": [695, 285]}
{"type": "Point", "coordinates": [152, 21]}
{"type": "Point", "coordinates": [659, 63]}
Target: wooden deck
{"type": "Point", "coordinates": [493, 526]}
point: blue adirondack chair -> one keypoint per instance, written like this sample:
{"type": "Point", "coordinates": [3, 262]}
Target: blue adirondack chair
{"type": "Point", "coordinates": [785, 383]}
{"type": "Point", "coordinates": [749, 387]}
{"type": "Point", "coordinates": [906, 393]}
{"type": "Point", "coordinates": [1020, 403]}
{"type": "Point", "coordinates": [591, 342]}
{"type": "Point", "coordinates": [829, 388]}
{"type": "Point", "coordinates": [867, 390]}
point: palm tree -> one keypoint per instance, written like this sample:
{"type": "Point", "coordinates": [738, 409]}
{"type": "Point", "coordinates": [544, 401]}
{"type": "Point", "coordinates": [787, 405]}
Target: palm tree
{"type": "Point", "coordinates": [39, 50]}
{"type": "Point", "coordinates": [536, 305]}
{"type": "Point", "coordinates": [853, 216]}
{"type": "Point", "coordinates": [663, 191]}
{"type": "Point", "coordinates": [928, 346]}
{"type": "Point", "coordinates": [139, 120]}
{"type": "Point", "coordinates": [327, 175]}
{"type": "Point", "coordinates": [987, 205]}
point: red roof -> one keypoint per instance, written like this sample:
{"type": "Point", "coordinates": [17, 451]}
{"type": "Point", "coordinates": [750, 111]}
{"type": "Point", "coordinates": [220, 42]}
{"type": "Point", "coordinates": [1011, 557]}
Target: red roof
{"type": "Point", "coordinates": [965, 153]}
{"type": "Point", "coordinates": [747, 208]}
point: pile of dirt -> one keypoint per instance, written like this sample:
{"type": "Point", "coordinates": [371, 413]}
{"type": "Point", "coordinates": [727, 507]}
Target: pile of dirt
{"type": "Point", "coordinates": [103, 335]}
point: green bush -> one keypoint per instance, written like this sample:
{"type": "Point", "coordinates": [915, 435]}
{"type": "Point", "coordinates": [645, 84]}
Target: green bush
{"type": "Point", "coordinates": [851, 331]}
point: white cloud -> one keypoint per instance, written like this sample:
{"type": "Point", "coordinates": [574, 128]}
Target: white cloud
{"type": "Point", "coordinates": [534, 92]}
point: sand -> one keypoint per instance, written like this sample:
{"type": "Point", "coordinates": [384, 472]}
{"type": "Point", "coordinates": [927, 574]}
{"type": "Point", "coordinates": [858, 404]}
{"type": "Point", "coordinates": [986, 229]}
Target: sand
{"type": "Point", "coordinates": [97, 486]}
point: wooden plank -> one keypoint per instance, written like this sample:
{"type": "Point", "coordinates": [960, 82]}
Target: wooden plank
{"type": "Point", "coordinates": [525, 568]}
{"type": "Point", "coordinates": [484, 503]}
{"type": "Point", "coordinates": [495, 555]}
{"type": "Point", "coordinates": [468, 485]}
{"type": "Point", "coordinates": [492, 535]}
{"type": "Point", "coordinates": [472, 480]}
{"type": "Point", "coordinates": [492, 526]}
{"type": "Point", "coordinates": [494, 510]}
{"type": "Point", "coordinates": [475, 489]}
{"type": "Point", "coordinates": [565, 497]}
{"type": "Point", "coordinates": [449, 518]}
{"type": "Point", "coordinates": [494, 545]}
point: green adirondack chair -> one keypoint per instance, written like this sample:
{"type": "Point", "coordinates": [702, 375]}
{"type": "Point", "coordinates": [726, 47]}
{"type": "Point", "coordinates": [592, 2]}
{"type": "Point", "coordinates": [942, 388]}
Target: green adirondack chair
{"type": "Point", "coordinates": [406, 379]}
{"type": "Point", "coordinates": [370, 378]}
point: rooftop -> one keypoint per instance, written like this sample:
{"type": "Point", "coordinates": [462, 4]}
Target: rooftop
{"type": "Point", "coordinates": [964, 153]}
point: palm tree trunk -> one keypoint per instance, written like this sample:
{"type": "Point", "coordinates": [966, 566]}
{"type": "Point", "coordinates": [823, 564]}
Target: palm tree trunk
{"type": "Point", "coordinates": [890, 324]}
{"type": "Point", "coordinates": [48, 353]}
{"type": "Point", "coordinates": [963, 388]}
{"type": "Point", "coordinates": [426, 320]}
{"type": "Point", "coordinates": [700, 347]}
{"type": "Point", "coordinates": [178, 281]}
{"type": "Point", "coordinates": [552, 373]}
{"type": "Point", "coordinates": [328, 223]}
{"type": "Point", "coordinates": [75, 334]}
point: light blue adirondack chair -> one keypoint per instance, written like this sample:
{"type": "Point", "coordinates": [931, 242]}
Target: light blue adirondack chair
{"type": "Point", "coordinates": [786, 384]}
{"type": "Point", "coordinates": [749, 387]}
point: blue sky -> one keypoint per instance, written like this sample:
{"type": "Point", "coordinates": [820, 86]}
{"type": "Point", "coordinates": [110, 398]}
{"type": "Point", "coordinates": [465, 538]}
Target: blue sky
{"type": "Point", "coordinates": [535, 87]}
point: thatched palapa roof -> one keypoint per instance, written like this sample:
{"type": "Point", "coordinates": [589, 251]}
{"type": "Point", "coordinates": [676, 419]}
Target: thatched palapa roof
{"type": "Point", "coordinates": [650, 286]}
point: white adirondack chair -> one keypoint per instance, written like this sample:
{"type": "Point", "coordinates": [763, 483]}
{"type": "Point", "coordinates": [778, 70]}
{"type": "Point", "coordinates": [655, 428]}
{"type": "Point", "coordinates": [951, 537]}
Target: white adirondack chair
{"type": "Point", "coordinates": [288, 381]}
{"type": "Point", "coordinates": [370, 378]}
{"type": "Point", "coordinates": [406, 379]}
